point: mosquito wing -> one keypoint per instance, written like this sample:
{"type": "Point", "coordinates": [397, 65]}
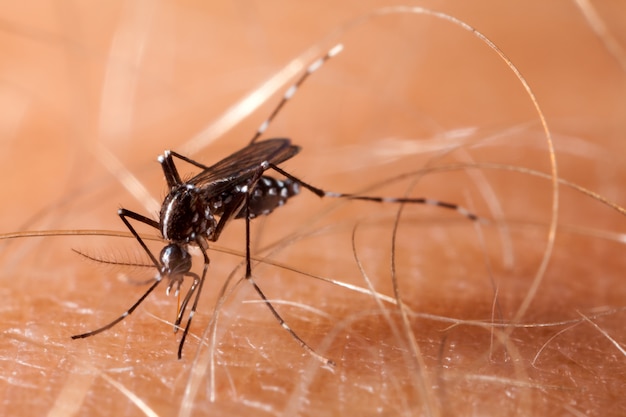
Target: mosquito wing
{"type": "Point", "coordinates": [243, 164]}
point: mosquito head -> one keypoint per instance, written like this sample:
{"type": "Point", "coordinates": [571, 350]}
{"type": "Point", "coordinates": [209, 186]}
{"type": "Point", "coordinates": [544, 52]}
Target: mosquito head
{"type": "Point", "coordinates": [175, 260]}
{"type": "Point", "coordinates": [185, 216]}
{"type": "Point", "coordinates": [175, 264]}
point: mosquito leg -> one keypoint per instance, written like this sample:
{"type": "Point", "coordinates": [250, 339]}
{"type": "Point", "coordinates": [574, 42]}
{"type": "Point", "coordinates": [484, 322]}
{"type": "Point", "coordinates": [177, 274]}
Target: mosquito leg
{"type": "Point", "coordinates": [186, 159]}
{"type": "Point", "coordinates": [269, 305]}
{"type": "Point", "coordinates": [169, 169]}
{"type": "Point", "coordinates": [122, 317]}
{"type": "Point", "coordinates": [317, 191]}
{"type": "Point", "coordinates": [427, 201]}
{"type": "Point", "coordinates": [229, 211]}
{"type": "Point", "coordinates": [233, 208]}
{"type": "Point", "coordinates": [294, 87]}
{"type": "Point", "coordinates": [123, 213]}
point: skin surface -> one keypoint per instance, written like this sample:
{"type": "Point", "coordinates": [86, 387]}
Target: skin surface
{"type": "Point", "coordinates": [521, 314]}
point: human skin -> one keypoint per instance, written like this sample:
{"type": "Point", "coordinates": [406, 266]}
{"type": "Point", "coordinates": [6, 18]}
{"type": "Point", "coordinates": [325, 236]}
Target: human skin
{"type": "Point", "coordinates": [91, 95]}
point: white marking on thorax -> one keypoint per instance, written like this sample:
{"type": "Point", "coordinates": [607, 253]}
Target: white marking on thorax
{"type": "Point", "coordinates": [166, 218]}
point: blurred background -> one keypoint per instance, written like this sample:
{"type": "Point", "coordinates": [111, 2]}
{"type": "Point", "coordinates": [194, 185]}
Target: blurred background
{"type": "Point", "coordinates": [519, 315]}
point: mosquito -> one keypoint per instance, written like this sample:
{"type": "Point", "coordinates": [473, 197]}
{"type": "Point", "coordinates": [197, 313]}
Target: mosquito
{"type": "Point", "coordinates": [196, 211]}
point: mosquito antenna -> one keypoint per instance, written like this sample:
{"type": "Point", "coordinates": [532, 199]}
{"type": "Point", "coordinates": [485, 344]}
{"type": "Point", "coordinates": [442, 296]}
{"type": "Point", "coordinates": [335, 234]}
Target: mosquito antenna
{"type": "Point", "coordinates": [294, 87]}
{"type": "Point", "coordinates": [105, 261]}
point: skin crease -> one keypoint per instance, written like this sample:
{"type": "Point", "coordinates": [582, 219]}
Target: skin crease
{"type": "Point", "coordinates": [131, 79]}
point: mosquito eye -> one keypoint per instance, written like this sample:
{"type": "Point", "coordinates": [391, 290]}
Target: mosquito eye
{"type": "Point", "coordinates": [175, 259]}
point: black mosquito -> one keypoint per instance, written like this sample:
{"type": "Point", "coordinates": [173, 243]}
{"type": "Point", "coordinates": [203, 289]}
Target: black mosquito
{"type": "Point", "coordinates": [196, 211]}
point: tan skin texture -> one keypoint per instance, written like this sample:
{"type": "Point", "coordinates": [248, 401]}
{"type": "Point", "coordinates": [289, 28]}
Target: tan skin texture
{"type": "Point", "coordinates": [136, 78]}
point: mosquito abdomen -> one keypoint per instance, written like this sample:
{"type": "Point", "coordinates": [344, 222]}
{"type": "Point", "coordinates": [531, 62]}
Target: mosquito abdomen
{"type": "Point", "coordinates": [269, 193]}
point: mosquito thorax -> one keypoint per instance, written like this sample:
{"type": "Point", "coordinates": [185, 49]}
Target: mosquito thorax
{"type": "Point", "coordinates": [185, 216]}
